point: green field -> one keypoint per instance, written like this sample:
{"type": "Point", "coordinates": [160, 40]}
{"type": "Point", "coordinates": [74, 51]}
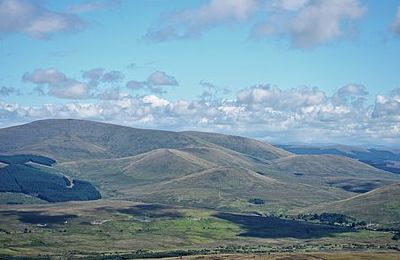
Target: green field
{"type": "Point", "coordinates": [124, 228]}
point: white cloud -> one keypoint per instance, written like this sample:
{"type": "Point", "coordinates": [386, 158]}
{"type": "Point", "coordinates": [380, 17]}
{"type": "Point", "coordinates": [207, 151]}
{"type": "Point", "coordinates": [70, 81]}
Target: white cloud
{"type": "Point", "coordinates": [308, 24]}
{"type": "Point", "coordinates": [388, 107]}
{"type": "Point", "coordinates": [274, 97]}
{"type": "Point", "coordinates": [155, 83]}
{"type": "Point", "coordinates": [58, 84]}
{"type": "Point", "coordinates": [277, 115]}
{"type": "Point", "coordinates": [290, 5]}
{"type": "Point", "coordinates": [305, 23]}
{"type": "Point", "coordinates": [113, 93]}
{"type": "Point", "coordinates": [100, 75]}
{"type": "Point", "coordinates": [49, 76]}
{"type": "Point", "coordinates": [35, 20]}
{"type": "Point", "coordinates": [353, 93]}
{"type": "Point", "coordinates": [160, 78]}
{"type": "Point", "coordinates": [192, 22]}
{"type": "Point", "coordinates": [70, 90]}
{"type": "Point", "coordinates": [155, 101]}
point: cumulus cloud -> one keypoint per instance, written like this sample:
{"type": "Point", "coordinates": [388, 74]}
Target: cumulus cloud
{"type": "Point", "coordinates": [100, 75]}
{"type": "Point", "coordinates": [34, 19]}
{"type": "Point", "coordinates": [58, 84]}
{"type": "Point", "coordinates": [271, 113]}
{"type": "Point", "coordinates": [395, 26]}
{"type": "Point", "coordinates": [290, 5]}
{"type": "Point", "coordinates": [155, 83]}
{"type": "Point", "coordinates": [192, 22]}
{"type": "Point", "coordinates": [160, 78]}
{"type": "Point", "coordinates": [353, 93]}
{"type": "Point", "coordinates": [273, 97]}
{"type": "Point", "coordinates": [113, 93]}
{"type": "Point", "coordinates": [211, 91]}
{"type": "Point", "coordinates": [388, 107]}
{"type": "Point", "coordinates": [308, 24]}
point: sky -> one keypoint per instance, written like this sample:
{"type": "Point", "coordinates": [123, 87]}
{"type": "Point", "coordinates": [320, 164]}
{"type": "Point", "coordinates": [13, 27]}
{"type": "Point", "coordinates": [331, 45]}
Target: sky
{"type": "Point", "coordinates": [282, 71]}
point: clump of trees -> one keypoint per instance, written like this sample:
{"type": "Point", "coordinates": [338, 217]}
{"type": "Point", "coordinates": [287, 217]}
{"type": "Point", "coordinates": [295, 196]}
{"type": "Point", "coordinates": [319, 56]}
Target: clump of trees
{"type": "Point", "coordinates": [24, 158]}
{"type": "Point", "coordinates": [21, 178]}
{"type": "Point", "coordinates": [256, 201]}
{"type": "Point", "coordinates": [332, 219]}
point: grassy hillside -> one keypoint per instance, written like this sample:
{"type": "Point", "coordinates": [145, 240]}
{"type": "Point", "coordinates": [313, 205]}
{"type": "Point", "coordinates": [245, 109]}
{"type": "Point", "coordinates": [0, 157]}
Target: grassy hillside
{"type": "Point", "coordinates": [192, 168]}
{"type": "Point", "coordinates": [68, 139]}
{"type": "Point", "coordinates": [243, 145]}
{"type": "Point", "coordinates": [380, 206]}
{"type": "Point", "coordinates": [232, 188]}
{"type": "Point", "coordinates": [383, 159]}
{"type": "Point", "coordinates": [214, 178]}
{"type": "Point", "coordinates": [330, 170]}
{"type": "Point", "coordinates": [19, 198]}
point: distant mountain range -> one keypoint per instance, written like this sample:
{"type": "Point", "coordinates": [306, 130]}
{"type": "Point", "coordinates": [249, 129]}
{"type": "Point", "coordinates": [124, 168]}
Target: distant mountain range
{"type": "Point", "coordinates": [383, 159]}
{"type": "Point", "coordinates": [195, 169]}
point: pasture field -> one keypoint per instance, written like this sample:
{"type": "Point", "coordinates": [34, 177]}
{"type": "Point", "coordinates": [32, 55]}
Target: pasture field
{"type": "Point", "coordinates": [114, 229]}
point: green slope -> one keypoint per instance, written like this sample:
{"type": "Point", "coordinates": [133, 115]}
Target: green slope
{"type": "Point", "coordinates": [182, 177]}
{"type": "Point", "coordinates": [18, 198]}
{"type": "Point", "coordinates": [243, 145]}
{"type": "Point", "coordinates": [380, 206]}
{"type": "Point", "coordinates": [191, 168]}
{"type": "Point", "coordinates": [69, 139]}
{"type": "Point", "coordinates": [329, 170]}
{"type": "Point", "coordinates": [231, 188]}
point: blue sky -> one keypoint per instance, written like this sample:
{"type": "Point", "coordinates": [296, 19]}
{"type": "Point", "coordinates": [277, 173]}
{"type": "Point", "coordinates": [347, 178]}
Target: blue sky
{"type": "Point", "coordinates": [297, 71]}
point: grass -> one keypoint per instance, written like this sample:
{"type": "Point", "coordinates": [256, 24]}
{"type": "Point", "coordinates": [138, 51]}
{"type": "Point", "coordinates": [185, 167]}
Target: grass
{"type": "Point", "coordinates": [380, 207]}
{"type": "Point", "coordinates": [129, 226]}
{"type": "Point", "coordinates": [299, 256]}
{"type": "Point", "coordinates": [19, 198]}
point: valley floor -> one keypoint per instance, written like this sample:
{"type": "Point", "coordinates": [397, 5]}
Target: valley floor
{"type": "Point", "coordinates": [299, 256]}
{"type": "Point", "coordinates": [114, 229]}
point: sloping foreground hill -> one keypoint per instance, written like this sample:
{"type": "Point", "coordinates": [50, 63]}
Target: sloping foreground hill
{"type": "Point", "coordinates": [380, 206]}
{"type": "Point", "coordinates": [69, 139]}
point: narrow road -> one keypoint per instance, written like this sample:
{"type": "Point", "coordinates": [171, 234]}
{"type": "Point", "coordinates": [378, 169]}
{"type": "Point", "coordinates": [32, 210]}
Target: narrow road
{"type": "Point", "coordinates": [70, 180]}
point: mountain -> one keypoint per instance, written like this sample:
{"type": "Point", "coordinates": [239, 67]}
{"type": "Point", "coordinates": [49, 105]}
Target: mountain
{"type": "Point", "coordinates": [69, 139]}
{"type": "Point", "coordinates": [388, 160]}
{"type": "Point", "coordinates": [191, 168]}
{"type": "Point", "coordinates": [380, 206]}
{"type": "Point", "coordinates": [329, 170]}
